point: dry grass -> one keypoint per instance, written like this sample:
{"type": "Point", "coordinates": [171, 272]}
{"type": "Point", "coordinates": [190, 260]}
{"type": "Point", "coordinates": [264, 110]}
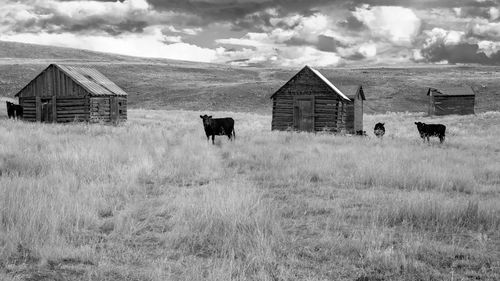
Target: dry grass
{"type": "Point", "coordinates": [152, 200]}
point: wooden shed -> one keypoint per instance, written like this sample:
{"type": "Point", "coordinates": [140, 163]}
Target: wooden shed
{"type": "Point", "coordinates": [354, 109]}
{"type": "Point", "coordinates": [451, 100]}
{"type": "Point", "coordinates": [310, 102]}
{"type": "Point", "coordinates": [65, 93]}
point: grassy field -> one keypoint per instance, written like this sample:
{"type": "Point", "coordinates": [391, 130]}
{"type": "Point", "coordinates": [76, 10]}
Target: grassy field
{"type": "Point", "coordinates": [168, 84]}
{"type": "Point", "coordinates": [152, 200]}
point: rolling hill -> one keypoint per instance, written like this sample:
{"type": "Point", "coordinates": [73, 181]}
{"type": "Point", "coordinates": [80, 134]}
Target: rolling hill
{"type": "Point", "coordinates": [170, 84]}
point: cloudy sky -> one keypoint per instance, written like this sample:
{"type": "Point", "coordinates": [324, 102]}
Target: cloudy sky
{"type": "Point", "coordinates": [282, 33]}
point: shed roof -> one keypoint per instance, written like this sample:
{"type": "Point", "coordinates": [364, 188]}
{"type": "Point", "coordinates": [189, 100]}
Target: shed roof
{"type": "Point", "coordinates": [90, 79]}
{"type": "Point", "coordinates": [351, 91]}
{"type": "Point", "coordinates": [320, 76]}
{"type": "Point", "coordinates": [451, 91]}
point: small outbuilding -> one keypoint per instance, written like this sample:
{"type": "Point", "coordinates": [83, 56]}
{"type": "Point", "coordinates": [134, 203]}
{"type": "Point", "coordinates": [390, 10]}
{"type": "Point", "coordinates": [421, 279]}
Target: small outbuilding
{"type": "Point", "coordinates": [451, 100]}
{"type": "Point", "coordinates": [65, 93]}
{"type": "Point", "coordinates": [310, 102]}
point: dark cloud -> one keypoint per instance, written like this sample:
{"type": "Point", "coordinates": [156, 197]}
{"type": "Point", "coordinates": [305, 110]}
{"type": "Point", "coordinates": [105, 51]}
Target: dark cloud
{"type": "Point", "coordinates": [328, 44]}
{"type": "Point", "coordinates": [459, 53]}
{"type": "Point", "coordinates": [474, 12]}
{"type": "Point", "coordinates": [352, 23]}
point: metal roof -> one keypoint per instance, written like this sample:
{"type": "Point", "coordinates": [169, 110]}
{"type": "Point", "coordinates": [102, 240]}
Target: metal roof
{"type": "Point", "coordinates": [323, 78]}
{"type": "Point", "coordinates": [92, 80]}
{"type": "Point", "coordinates": [89, 78]}
{"type": "Point", "coordinates": [451, 91]}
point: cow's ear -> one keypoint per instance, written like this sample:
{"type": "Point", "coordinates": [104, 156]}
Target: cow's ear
{"type": "Point", "coordinates": [416, 123]}
{"type": "Point", "coordinates": [201, 117]}
{"type": "Point", "coordinates": [210, 116]}
{"type": "Point", "coordinates": [383, 124]}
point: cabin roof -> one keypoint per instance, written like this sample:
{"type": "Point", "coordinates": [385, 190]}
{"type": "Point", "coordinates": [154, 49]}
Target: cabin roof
{"type": "Point", "coordinates": [451, 91]}
{"type": "Point", "coordinates": [322, 78]}
{"type": "Point", "coordinates": [90, 79]}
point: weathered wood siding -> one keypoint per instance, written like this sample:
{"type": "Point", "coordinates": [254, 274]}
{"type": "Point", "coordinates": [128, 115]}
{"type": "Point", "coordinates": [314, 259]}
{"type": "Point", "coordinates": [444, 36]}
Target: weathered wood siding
{"type": "Point", "coordinates": [72, 108]}
{"type": "Point", "coordinates": [306, 83]}
{"type": "Point", "coordinates": [29, 108]}
{"type": "Point", "coordinates": [52, 82]}
{"type": "Point", "coordinates": [100, 109]}
{"type": "Point", "coordinates": [445, 105]}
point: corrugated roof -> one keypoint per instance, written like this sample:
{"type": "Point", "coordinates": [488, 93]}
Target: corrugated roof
{"type": "Point", "coordinates": [90, 79]}
{"type": "Point", "coordinates": [452, 91]}
{"type": "Point", "coordinates": [93, 81]}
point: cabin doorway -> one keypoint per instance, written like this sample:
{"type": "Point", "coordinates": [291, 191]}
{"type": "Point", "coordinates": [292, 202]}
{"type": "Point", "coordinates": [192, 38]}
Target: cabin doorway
{"type": "Point", "coordinates": [304, 114]}
{"type": "Point", "coordinates": [46, 109]}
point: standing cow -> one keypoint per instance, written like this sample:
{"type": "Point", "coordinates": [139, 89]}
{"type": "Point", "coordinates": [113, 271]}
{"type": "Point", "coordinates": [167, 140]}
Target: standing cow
{"type": "Point", "coordinates": [218, 127]}
{"type": "Point", "coordinates": [14, 110]}
{"type": "Point", "coordinates": [379, 130]}
{"type": "Point", "coordinates": [431, 130]}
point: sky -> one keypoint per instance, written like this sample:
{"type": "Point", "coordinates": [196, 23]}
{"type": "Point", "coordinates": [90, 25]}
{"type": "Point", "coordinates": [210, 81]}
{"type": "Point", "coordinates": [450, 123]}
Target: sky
{"type": "Point", "coordinates": [271, 33]}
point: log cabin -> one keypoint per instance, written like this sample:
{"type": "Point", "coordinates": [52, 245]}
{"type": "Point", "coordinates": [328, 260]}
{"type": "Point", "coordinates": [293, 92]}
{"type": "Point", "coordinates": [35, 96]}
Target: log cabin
{"type": "Point", "coordinates": [310, 102]}
{"type": "Point", "coordinates": [63, 93]}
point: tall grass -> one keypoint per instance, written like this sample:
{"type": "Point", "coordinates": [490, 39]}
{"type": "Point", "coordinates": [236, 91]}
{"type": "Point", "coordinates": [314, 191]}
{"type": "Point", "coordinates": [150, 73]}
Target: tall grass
{"type": "Point", "coordinates": [151, 199]}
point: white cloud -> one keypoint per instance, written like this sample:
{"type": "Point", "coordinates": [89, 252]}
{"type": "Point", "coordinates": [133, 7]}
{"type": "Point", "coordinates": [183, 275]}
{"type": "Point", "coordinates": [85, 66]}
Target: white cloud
{"type": "Point", "coordinates": [494, 13]}
{"type": "Point", "coordinates": [490, 30]}
{"type": "Point", "coordinates": [446, 37]}
{"type": "Point", "coordinates": [489, 47]}
{"type": "Point", "coordinates": [150, 43]}
{"type": "Point", "coordinates": [397, 24]}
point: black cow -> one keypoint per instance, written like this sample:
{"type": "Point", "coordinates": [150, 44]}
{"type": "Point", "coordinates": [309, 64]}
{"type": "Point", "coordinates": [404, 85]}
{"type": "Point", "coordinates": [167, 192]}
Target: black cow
{"type": "Point", "coordinates": [14, 110]}
{"type": "Point", "coordinates": [218, 127]}
{"type": "Point", "coordinates": [379, 130]}
{"type": "Point", "coordinates": [431, 130]}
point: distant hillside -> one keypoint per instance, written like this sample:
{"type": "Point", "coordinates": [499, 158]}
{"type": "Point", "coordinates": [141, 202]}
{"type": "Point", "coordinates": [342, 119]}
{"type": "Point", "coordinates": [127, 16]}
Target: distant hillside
{"type": "Point", "coordinates": [169, 84]}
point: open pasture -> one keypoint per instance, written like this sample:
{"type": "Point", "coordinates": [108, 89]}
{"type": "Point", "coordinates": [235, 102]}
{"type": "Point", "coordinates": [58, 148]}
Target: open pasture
{"type": "Point", "coordinates": [152, 200]}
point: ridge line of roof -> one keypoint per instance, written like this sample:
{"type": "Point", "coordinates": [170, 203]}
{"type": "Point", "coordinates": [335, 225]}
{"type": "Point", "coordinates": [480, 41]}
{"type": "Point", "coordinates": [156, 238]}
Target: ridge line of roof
{"type": "Point", "coordinates": [330, 84]}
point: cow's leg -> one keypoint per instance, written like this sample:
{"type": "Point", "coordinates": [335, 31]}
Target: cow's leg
{"type": "Point", "coordinates": [213, 139]}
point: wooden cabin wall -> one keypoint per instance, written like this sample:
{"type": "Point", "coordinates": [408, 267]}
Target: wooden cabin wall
{"type": "Point", "coordinates": [282, 113]}
{"type": "Point", "coordinates": [122, 108]}
{"type": "Point", "coordinates": [29, 108]}
{"type": "Point", "coordinates": [52, 82]}
{"type": "Point", "coordinates": [358, 115]}
{"type": "Point", "coordinates": [461, 105]}
{"type": "Point", "coordinates": [349, 117]}
{"type": "Point", "coordinates": [326, 113]}
{"type": "Point", "coordinates": [72, 108]}
{"type": "Point", "coordinates": [100, 109]}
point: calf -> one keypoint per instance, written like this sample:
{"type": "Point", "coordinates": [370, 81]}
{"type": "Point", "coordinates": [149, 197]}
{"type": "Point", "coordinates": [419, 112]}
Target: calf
{"type": "Point", "coordinates": [218, 127]}
{"type": "Point", "coordinates": [14, 110]}
{"type": "Point", "coordinates": [379, 130]}
{"type": "Point", "coordinates": [431, 130]}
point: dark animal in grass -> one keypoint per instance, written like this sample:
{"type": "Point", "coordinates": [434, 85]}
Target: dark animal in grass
{"type": "Point", "coordinates": [218, 127]}
{"type": "Point", "coordinates": [14, 110]}
{"type": "Point", "coordinates": [379, 130]}
{"type": "Point", "coordinates": [431, 130]}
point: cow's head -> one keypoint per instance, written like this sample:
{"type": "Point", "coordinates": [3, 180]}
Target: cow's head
{"type": "Point", "coordinates": [379, 126]}
{"type": "Point", "coordinates": [206, 120]}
